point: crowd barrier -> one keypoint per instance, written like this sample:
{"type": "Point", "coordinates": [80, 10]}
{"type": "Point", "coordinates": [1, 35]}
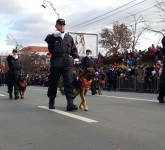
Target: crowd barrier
{"type": "Point", "coordinates": [132, 83]}
{"type": "Point", "coordinates": [122, 83]}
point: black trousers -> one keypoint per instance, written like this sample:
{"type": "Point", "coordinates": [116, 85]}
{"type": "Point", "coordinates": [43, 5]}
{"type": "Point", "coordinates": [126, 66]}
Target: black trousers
{"type": "Point", "coordinates": [162, 84]}
{"type": "Point", "coordinates": [55, 74]}
{"type": "Point", "coordinates": [12, 82]}
{"type": "Point", "coordinates": [112, 83]}
{"type": "Point", "coordinates": [94, 87]}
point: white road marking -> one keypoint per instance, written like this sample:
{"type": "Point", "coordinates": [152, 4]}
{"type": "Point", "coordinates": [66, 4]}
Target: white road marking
{"type": "Point", "coordinates": [2, 95]}
{"type": "Point", "coordinates": [35, 89]}
{"type": "Point", "coordinates": [41, 90]}
{"type": "Point", "coordinates": [117, 97]}
{"type": "Point", "coordinates": [69, 114]}
{"type": "Point", "coordinates": [128, 98]}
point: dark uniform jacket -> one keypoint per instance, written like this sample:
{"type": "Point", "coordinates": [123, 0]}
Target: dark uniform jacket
{"type": "Point", "coordinates": [14, 64]}
{"type": "Point", "coordinates": [87, 62]}
{"type": "Point", "coordinates": [163, 54]}
{"type": "Point", "coordinates": [163, 43]}
{"type": "Point", "coordinates": [61, 49]}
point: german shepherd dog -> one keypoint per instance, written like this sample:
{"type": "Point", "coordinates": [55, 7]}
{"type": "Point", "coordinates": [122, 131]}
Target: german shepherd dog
{"type": "Point", "coordinates": [22, 85]}
{"type": "Point", "coordinates": [82, 79]}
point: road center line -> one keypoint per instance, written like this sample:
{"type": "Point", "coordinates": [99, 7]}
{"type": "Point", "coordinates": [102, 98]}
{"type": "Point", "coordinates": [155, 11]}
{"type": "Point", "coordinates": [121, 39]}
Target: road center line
{"type": "Point", "coordinates": [69, 115]}
{"type": "Point", "coordinates": [35, 89]}
{"type": "Point", "coordinates": [128, 98]}
{"type": "Point", "coordinates": [2, 95]}
{"type": "Point", "coordinates": [117, 97]}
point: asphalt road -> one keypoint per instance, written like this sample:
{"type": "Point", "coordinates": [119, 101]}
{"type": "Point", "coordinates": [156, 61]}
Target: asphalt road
{"type": "Point", "coordinates": [115, 121]}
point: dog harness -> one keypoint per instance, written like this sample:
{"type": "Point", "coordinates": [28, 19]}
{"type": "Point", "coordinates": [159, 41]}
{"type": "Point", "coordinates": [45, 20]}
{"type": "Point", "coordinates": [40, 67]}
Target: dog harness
{"type": "Point", "coordinates": [85, 83]}
{"type": "Point", "coordinates": [22, 84]}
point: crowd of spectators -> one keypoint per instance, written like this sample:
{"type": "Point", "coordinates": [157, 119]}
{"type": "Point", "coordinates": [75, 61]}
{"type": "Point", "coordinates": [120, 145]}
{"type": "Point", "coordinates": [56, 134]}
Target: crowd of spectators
{"type": "Point", "coordinates": [40, 77]}
{"type": "Point", "coordinates": [139, 70]}
{"type": "Point", "coordinates": [2, 77]}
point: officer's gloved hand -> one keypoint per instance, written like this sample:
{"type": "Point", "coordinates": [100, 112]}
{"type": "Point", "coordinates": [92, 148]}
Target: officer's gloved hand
{"type": "Point", "coordinates": [96, 73]}
{"type": "Point", "coordinates": [56, 34]}
{"type": "Point", "coordinates": [76, 61]}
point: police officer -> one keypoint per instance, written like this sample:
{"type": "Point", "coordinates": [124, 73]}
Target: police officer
{"type": "Point", "coordinates": [63, 50]}
{"type": "Point", "coordinates": [162, 77]}
{"type": "Point", "coordinates": [87, 62]}
{"type": "Point", "coordinates": [13, 73]}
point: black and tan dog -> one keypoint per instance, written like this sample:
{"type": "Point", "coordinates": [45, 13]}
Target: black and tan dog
{"type": "Point", "coordinates": [81, 82]}
{"type": "Point", "coordinates": [22, 85]}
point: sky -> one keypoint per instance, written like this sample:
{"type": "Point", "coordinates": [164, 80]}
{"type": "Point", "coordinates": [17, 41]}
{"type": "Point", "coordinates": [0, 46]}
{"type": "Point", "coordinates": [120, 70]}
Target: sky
{"type": "Point", "coordinates": [27, 23]}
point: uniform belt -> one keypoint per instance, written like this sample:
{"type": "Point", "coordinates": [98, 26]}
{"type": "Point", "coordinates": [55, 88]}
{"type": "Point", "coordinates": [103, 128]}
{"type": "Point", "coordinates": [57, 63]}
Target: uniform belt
{"type": "Point", "coordinates": [61, 55]}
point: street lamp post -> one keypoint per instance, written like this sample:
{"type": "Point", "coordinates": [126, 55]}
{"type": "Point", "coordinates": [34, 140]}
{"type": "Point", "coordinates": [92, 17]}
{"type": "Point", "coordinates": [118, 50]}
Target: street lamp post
{"type": "Point", "coordinates": [51, 4]}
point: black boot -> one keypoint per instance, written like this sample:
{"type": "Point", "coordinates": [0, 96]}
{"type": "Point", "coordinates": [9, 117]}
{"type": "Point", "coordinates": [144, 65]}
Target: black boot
{"type": "Point", "coordinates": [16, 94]}
{"type": "Point", "coordinates": [51, 103]}
{"type": "Point", "coordinates": [16, 97]}
{"type": "Point", "coordinates": [10, 96]}
{"type": "Point", "coordinates": [160, 99]}
{"type": "Point", "coordinates": [71, 106]}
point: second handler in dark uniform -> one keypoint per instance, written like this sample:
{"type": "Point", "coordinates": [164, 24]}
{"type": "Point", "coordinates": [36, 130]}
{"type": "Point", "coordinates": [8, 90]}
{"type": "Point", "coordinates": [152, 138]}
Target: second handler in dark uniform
{"type": "Point", "coordinates": [88, 62]}
{"type": "Point", "coordinates": [63, 50]}
{"type": "Point", "coordinates": [13, 73]}
{"type": "Point", "coordinates": [162, 77]}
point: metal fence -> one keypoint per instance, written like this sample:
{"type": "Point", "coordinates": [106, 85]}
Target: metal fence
{"type": "Point", "coordinates": [132, 83]}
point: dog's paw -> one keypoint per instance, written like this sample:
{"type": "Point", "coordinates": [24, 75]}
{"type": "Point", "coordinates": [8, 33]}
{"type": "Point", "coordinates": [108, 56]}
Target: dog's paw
{"type": "Point", "coordinates": [82, 107]}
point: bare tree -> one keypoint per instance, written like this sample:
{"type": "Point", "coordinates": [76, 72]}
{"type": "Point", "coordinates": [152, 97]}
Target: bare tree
{"type": "Point", "coordinates": [137, 28]}
{"type": "Point", "coordinates": [117, 38]}
{"type": "Point", "coordinates": [31, 61]}
{"type": "Point", "coordinates": [161, 19]}
{"type": "Point", "coordinates": [161, 7]}
{"type": "Point", "coordinates": [161, 31]}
